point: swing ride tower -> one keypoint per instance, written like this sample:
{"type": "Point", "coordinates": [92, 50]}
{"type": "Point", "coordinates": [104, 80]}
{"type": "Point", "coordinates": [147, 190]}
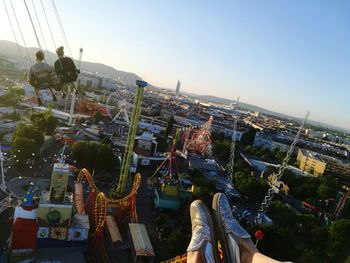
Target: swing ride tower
{"type": "Point", "coordinates": [124, 171]}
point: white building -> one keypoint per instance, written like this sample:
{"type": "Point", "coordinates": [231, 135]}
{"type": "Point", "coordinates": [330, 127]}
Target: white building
{"type": "Point", "coordinates": [271, 142]}
{"type": "Point", "coordinates": [108, 83]}
{"type": "Point", "coordinates": [89, 80]}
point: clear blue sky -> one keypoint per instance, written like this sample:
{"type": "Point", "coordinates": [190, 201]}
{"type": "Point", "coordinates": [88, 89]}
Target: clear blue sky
{"type": "Point", "coordinates": [288, 56]}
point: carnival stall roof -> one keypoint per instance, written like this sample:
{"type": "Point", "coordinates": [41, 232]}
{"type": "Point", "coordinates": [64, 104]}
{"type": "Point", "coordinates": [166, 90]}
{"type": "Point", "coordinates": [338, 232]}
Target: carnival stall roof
{"type": "Point", "coordinates": [141, 241]}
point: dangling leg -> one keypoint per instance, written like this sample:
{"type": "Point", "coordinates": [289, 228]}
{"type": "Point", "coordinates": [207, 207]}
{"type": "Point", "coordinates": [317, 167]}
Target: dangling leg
{"type": "Point", "coordinates": [202, 247]}
{"type": "Point", "coordinates": [37, 94]}
{"type": "Point", "coordinates": [67, 97]}
{"type": "Point", "coordinates": [53, 95]}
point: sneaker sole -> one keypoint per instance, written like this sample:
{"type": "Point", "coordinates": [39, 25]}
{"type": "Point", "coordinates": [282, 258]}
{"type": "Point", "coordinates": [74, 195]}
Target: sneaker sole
{"type": "Point", "coordinates": [228, 258]}
{"type": "Point", "coordinates": [212, 228]}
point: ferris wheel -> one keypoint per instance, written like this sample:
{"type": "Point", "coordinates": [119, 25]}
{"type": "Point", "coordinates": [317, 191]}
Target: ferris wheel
{"type": "Point", "coordinates": [119, 105]}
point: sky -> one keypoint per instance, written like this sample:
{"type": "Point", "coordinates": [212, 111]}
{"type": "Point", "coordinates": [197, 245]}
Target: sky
{"type": "Point", "coordinates": [288, 56]}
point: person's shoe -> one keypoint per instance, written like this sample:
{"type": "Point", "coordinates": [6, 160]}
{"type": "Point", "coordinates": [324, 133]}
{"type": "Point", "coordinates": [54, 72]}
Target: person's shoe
{"type": "Point", "coordinates": [230, 231]}
{"type": "Point", "coordinates": [203, 236]}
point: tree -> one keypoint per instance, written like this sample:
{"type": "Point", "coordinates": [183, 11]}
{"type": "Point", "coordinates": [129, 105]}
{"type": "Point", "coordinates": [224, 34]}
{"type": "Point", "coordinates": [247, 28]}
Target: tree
{"type": "Point", "coordinates": [282, 215]}
{"type": "Point", "coordinates": [288, 176]}
{"type": "Point", "coordinates": [24, 147]}
{"type": "Point", "coordinates": [162, 145]}
{"type": "Point", "coordinates": [308, 256]}
{"type": "Point", "coordinates": [14, 116]}
{"type": "Point", "coordinates": [31, 132]}
{"type": "Point", "coordinates": [222, 151]}
{"type": "Point", "coordinates": [279, 243]}
{"type": "Point", "coordinates": [51, 124]}
{"type": "Point", "coordinates": [45, 121]}
{"type": "Point", "coordinates": [82, 155]}
{"type": "Point", "coordinates": [105, 158]}
{"type": "Point", "coordinates": [303, 187]}
{"type": "Point", "coordinates": [11, 98]}
{"type": "Point", "coordinates": [326, 192]}
{"type": "Point", "coordinates": [319, 237]}
{"type": "Point", "coordinates": [339, 244]}
{"type": "Point", "coordinates": [169, 126]}
{"type": "Point", "coordinates": [279, 155]}
{"type": "Point", "coordinates": [38, 119]}
{"type": "Point", "coordinates": [250, 186]}
{"type": "Point", "coordinates": [248, 137]}
{"type": "Point", "coordinates": [17, 91]}
{"type": "Point", "coordinates": [92, 155]}
{"type": "Point", "coordinates": [97, 117]}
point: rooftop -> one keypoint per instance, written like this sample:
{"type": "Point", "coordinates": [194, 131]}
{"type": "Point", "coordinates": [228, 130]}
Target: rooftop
{"type": "Point", "coordinates": [311, 154]}
{"type": "Point", "coordinates": [141, 241]}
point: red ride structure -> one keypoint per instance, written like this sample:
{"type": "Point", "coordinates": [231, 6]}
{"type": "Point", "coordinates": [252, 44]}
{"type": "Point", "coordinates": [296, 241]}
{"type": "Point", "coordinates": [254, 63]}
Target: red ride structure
{"type": "Point", "coordinates": [197, 139]}
{"type": "Point", "coordinates": [96, 205]}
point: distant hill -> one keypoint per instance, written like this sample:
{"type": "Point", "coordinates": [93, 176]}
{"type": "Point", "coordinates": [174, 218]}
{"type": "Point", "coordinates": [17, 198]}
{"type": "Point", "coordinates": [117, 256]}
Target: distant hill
{"type": "Point", "coordinates": [268, 112]}
{"type": "Point", "coordinates": [214, 99]}
{"type": "Point", "coordinates": [9, 50]}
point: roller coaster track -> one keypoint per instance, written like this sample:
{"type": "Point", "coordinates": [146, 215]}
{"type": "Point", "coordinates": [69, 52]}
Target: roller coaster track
{"type": "Point", "coordinates": [128, 201]}
{"type": "Point", "coordinates": [99, 202]}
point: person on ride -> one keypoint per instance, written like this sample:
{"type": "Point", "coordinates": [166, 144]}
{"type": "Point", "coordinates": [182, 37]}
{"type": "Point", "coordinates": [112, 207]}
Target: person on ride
{"type": "Point", "coordinates": [41, 76]}
{"type": "Point", "coordinates": [65, 70]}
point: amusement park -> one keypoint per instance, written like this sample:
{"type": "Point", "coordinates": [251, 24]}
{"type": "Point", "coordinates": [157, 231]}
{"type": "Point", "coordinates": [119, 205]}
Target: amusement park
{"type": "Point", "coordinates": [98, 165]}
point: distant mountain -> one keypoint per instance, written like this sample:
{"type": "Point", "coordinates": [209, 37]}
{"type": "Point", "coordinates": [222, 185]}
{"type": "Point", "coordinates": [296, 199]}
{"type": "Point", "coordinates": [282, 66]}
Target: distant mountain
{"type": "Point", "coordinates": [9, 50]}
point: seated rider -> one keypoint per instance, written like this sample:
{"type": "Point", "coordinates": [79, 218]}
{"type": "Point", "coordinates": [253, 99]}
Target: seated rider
{"type": "Point", "coordinates": [65, 70]}
{"type": "Point", "coordinates": [42, 76]}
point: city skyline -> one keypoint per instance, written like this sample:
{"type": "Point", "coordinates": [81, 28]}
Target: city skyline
{"type": "Point", "coordinates": [288, 57]}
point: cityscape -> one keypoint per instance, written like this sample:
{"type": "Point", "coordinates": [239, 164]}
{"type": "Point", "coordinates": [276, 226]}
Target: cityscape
{"type": "Point", "coordinates": [103, 165]}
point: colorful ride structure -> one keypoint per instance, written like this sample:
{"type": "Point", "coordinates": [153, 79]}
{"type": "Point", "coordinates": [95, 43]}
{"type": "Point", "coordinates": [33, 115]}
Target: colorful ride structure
{"type": "Point", "coordinates": [136, 112]}
{"type": "Point", "coordinates": [342, 202]}
{"type": "Point", "coordinates": [52, 222]}
{"type": "Point", "coordinates": [84, 106]}
{"type": "Point", "coordinates": [196, 139]}
{"type": "Point", "coordinates": [96, 205]}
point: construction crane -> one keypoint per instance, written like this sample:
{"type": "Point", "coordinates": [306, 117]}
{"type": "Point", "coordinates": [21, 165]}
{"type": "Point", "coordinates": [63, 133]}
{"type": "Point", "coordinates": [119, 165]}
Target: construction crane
{"type": "Point", "coordinates": [124, 171]}
{"type": "Point", "coordinates": [271, 192]}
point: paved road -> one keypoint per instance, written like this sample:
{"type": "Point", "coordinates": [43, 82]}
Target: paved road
{"type": "Point", "coordinates": [16, 185]}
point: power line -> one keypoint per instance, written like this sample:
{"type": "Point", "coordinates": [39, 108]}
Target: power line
{"type": "Point", "coordinates": [13, 32]}
{"type": "Point", "coordinates": [48, 24]}
{"type": "Point", "coordinates": [41, 30]}
{"type": "Point", "coordinates": [31, 21]}
{"type": "Point", "coordinates": [61, 27]}
{"type": "Point", "coordinates": [20, 30]}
